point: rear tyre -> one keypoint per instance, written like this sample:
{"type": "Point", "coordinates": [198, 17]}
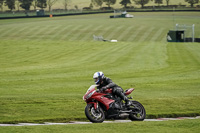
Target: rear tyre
{"type": "Point", "coordinates": [139, 111]}
{"type": "Point", "coordinates": [95, 116]}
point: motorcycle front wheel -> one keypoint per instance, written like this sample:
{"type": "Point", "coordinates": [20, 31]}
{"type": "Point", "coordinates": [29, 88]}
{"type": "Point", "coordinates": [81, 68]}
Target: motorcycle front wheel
{"type": "Point", "coordinates": [139, 112]}
{"type": "Point", "coordinates": [95, 116]}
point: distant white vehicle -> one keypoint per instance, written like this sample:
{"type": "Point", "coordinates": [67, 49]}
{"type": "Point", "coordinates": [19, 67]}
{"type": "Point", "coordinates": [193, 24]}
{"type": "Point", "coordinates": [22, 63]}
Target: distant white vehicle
{"type": "Point", "coordinates": [121, 14]}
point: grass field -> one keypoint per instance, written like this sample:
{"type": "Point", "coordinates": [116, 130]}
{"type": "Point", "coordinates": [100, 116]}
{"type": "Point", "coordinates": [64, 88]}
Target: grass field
{"type": "Point", "coordinates": [179, 126]}
{"type": "Point", "coordinates": [47, 64]}
{"type": "Point", "coordinates": [59, 6]}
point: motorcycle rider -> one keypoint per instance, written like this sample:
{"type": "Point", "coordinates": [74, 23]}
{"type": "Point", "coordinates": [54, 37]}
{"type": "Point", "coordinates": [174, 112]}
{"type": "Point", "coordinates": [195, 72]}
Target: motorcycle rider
{"type": "Point", "coordinates": [104, 83]}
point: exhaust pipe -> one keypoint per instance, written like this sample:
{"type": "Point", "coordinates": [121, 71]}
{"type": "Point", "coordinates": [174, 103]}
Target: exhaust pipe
{"type": "Point", "coordinates": [128, 111]}
{"type": "Point", "coordinates": [123, 115]}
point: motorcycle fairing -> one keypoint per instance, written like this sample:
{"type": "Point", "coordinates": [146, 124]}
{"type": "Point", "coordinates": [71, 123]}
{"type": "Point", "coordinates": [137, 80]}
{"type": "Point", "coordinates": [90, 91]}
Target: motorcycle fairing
{"type": "Point", "coordinates": [113, 111]}
{"type": "Point", "coordinates": [101, 97]}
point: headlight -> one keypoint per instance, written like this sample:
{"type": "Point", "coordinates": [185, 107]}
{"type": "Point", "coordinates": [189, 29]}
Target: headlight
{"type": "Point", "coordinates": [90, 94]}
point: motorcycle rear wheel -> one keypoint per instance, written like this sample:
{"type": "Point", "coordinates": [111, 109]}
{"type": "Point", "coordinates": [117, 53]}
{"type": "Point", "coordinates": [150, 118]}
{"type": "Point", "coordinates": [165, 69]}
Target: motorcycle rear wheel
{"type": "Point", "coordinates": [138, 115]}
{"type": "Point", "coordinates": [95, 116]}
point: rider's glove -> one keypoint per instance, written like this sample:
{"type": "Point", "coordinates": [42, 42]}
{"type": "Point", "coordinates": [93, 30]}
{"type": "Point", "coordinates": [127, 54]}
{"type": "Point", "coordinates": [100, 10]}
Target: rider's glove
{"type": "Point", "coordinates": [104, 88]}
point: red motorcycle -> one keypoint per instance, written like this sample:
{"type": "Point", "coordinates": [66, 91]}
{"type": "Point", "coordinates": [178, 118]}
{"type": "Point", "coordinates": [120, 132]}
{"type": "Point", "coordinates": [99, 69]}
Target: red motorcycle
{"type": "Point", "coordinates": [105, 105]}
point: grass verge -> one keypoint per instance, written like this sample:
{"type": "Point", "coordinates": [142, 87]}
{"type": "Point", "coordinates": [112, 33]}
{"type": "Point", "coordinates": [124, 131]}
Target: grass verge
{"type": "Point", "coordinates": [48, 65]}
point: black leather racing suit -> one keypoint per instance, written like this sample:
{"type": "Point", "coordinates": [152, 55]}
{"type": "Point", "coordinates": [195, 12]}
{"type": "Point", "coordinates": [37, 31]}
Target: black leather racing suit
{"type": "Point", "coordinates": [117, 90]}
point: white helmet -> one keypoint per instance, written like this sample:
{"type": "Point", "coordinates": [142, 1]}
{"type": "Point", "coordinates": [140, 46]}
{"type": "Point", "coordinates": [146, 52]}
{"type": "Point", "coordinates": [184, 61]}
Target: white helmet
{"type": "Point", "coordinates": [98, 76]}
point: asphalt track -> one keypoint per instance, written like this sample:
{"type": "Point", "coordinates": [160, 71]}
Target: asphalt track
{"type": "Point", "coordinates": [79, 122]}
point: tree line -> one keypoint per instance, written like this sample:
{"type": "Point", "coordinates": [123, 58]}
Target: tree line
{"type": "Point", "coordinates": [26, 4]}
{"type": "Point", "coordinates": [125, 3]}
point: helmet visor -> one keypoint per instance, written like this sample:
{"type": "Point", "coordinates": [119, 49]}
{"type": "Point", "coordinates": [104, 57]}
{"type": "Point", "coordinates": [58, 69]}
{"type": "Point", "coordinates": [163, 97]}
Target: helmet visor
{"type": "Point", "coordinates": [95, 80]}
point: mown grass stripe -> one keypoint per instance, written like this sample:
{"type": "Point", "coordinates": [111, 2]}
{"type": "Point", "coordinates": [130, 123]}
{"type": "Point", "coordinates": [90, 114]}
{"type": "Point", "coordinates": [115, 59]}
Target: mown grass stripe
{"type": "Point", "coordinates": [147, 33]}
{"type": "Point", "coordinates": [31, 33]}
{"type": "Point", "coordinates": [105, 32]}
{"type": "Point", "coordinates": [163, 36]}
{"type": "Point", "coordinates": [2, 30]}
{"type": "Point", "coordinates": [118, 32]}
{"type": "Point", "coordinates": [8, 32]}
{"type": "Point", "coordinates": [46, 33]}
{"type": "Point", "coordinates": [192, 49]}
{"type": "Point", "coordinates": [191, 58]}
{"type": "Point", "coordinates": [18, 32]}
{"type": "Point", "coordinates": [81, 32]}
{"type": "Point", "coordinates": [37, 32]}
{"type": "Point", "coordinates": [70, 32]}
{"type": "Point", "coordinates": [137, 34]}
{"type": "Point", "coordinates": [93, 31]}
{"type": "Point", "coordinates": [124, 57]}
{"type": "Point", "coordinates": [181, 60]}
{"type": "Point", "coordinates": [75, 32]}
{"type": "Point", "coordinates": [114, 32]}
{"type": "Point", "coordinates": [50, 32]}
{"type": "Point", "coordinates": [118, 57]}
{"type": "Point", "coordinates": [123, 36]}
{"type": "Point", "coordinates": [58, 35]}
{"type": "Point", "coordinates": [142, 56]}
{"type": "Point", "coordinates": [158, 35]}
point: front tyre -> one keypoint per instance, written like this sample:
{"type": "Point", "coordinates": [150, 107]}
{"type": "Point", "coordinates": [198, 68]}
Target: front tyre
{"type": "Point", "coordinates": [138, 111]}
{"type": "Point", "coordinates": [96, 116]}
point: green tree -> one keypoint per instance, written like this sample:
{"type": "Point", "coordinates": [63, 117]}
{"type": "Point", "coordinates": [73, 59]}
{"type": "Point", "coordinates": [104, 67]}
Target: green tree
{"type": "Point", "coordinates": [158, 2]}
{"type": "Point", "coordinates": [109, 2]}
{"type": "Point", "coordinates": [42, 3]}
{"type": "Point", "coordinates": [91, 6]}
{"type": "Point", "coordinates": [25, 4]}
{"type": "Point", "coordinates": [10, 4]}
{"type": "Point", "coordinates": [167, 1]}
{"type": "Point", "coordinates": [141, 2]}
{"type": "Point", "coordinates": [17, 4]}
{"type": "Point", "coordinates": [66, 3]}
{"type": "Point", "coordinates": [50, 3]}
{"type": "Point", "coordinates": [76, 7]}
{"type": "Point", "coordinates": [34, 4]}
{"type": "Point", "coordinates": [192, 2]}
{"type": "Point", "coordinates": [1, 4]}
{"type": "Point", "coordinates": [97, 2]}
{"type": "Point", "coordinates": [125, 3]}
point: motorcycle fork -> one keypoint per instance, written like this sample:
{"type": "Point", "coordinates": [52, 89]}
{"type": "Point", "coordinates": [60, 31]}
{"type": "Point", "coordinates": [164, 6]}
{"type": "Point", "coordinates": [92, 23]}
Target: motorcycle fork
{"type": "Point", "coordinates": [96, 106]}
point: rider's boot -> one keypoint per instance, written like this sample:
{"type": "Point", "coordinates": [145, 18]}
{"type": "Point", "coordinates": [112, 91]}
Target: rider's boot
{"type": "Point", "coordinates": [127, 102]}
